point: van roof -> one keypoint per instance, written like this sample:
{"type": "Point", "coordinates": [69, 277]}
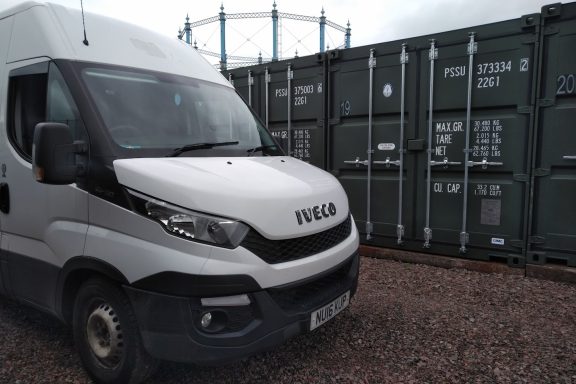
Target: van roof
{"type": "Point", "coordinates": [17, 9]}
{"type": "Point", "coordinates": [56, 32]}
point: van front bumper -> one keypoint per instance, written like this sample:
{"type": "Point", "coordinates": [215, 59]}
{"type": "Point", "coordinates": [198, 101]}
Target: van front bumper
{"type": "Point", "coordinates": [171, 325]}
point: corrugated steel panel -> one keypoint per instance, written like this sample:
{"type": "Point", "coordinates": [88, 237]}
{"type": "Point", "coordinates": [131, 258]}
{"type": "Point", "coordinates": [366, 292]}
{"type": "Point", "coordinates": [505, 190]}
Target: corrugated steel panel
{"type": "Point", "coordinates": [440, 140]}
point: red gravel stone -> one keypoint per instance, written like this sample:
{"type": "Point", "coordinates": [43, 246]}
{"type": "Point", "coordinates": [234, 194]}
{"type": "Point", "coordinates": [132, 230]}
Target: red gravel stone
{"type": "Point", "coordinates": [407, 324]}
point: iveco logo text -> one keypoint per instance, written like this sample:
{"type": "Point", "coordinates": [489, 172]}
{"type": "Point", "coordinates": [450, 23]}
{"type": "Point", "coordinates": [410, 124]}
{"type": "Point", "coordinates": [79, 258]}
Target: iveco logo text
{"type": "Point", "coordinates": [317, 212]}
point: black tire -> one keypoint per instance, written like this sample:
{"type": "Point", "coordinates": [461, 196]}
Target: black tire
{"type": "Point", "coordinates": [107, 336]}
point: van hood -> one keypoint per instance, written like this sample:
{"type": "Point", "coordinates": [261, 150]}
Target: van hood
{"type": "Point", "coordinates": [280, 197]}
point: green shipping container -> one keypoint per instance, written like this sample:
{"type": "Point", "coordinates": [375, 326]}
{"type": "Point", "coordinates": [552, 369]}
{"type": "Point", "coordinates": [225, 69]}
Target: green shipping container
{"type": "Point", "coordinates": [457, 143]}
{"type": "Point", "coordinates": [552, 237]}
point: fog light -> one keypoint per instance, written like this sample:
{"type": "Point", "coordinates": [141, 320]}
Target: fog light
{"type": "Point", "coordinates": [206, 320]}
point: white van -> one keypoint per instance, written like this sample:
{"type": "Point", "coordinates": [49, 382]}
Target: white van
{"type": "Point", "coordinates": [143, 202]}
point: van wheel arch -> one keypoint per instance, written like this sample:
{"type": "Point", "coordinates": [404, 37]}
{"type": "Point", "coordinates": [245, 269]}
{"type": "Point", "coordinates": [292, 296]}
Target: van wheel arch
{"type": "Point", "coordinates": [74, 273]}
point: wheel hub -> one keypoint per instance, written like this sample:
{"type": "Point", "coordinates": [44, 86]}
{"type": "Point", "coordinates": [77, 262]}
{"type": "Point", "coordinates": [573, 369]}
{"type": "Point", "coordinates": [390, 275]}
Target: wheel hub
{"type": "Point", "coordinates": [104, 335]}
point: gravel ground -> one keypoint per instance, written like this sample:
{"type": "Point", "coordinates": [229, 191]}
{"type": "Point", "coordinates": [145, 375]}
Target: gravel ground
{"type": "Point", "coordinates": [407, 324]}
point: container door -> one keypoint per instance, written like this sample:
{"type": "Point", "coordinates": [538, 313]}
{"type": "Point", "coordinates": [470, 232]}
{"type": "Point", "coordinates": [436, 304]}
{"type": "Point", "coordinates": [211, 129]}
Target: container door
{"type": "Point", "coordinates": [245, 82]}
{"type": "Point", "coordinates": [553, 239]}
{"type": "Point", "coordinates": [371, 114]}
{"type": "Point", "coordinates": [294, 107]}
{"type": "Point", "coordinates": [476, 98]}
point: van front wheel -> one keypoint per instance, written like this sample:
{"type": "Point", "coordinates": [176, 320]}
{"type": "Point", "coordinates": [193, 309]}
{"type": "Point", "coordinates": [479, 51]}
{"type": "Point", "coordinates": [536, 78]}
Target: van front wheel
{"type": "Point", "coordinates": [107, 336]}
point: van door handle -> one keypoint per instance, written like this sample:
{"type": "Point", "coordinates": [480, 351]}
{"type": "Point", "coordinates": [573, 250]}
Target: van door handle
{"type": "Point", "coordinates": [566, 157]}
{"type": "Point", "coordinates": [388, 162]}
{"type": "Point", "coordinates": [444, 162]}
{"type": "Point", "coordinates": [485, 163]}
{"type": "Point", "coordinates": [4, 198]}
{"type": "Point", "coordinates": [356, 162]}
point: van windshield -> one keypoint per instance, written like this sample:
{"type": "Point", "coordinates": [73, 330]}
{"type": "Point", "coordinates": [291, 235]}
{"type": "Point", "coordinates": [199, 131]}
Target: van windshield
{"type": "Point", "coordinates": [158, 110]}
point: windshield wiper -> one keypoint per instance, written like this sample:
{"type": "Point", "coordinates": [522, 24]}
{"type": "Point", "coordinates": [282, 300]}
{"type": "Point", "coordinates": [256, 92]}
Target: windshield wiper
{"type": "Point", "coordinates": [195, 146]}
{"type": "Point", "coordinates": [260, 148]}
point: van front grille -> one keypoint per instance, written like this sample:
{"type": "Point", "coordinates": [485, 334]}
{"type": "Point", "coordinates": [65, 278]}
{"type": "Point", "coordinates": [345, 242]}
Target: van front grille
{"type": "Point", "coordinates": [281, 251]}
{"type": "Point", "coordinates": [311, 294]}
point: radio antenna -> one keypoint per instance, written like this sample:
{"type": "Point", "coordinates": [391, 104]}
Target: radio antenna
{"type": "Point", "coordinates": [83, 24]}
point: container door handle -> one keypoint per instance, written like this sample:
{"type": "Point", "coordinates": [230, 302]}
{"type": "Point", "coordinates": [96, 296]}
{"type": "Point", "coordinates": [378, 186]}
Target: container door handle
{"type": "Point", "coordinates": [445, 162]}
{"type": "Point", "coordinates": [356, 162]}
{"type": "Point", "coordinates": [388, 162]}
{"type": "Point", "coordinates": [485, 163]}
{"type": "Point", "coordinates": [569, 157]}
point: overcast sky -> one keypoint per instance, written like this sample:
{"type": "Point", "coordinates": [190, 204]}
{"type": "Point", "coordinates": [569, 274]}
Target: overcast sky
{"type": "Point", "coordinates": [372, 21]}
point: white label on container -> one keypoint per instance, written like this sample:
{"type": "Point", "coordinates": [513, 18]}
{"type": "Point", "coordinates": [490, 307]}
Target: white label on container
{"type": "Point", "coordinates": [387, 90]}
{"type": "Point", "coordinates": [497, 241]}
{"type": "Point", "coordinates": [386, 146]}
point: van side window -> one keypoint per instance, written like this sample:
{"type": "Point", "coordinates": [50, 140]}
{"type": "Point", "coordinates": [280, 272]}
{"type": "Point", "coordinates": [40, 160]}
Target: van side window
{"type": "Point", "coordinates": [37, 94]}
{"type": "Point", "coordinates": [27, 106]}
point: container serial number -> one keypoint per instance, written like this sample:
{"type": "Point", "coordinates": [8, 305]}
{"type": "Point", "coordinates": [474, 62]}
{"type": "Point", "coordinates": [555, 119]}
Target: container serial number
{"type": "Point", "coordinates": [495, 67]}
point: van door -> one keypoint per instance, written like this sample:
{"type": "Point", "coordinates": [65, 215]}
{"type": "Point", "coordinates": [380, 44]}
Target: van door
{"type": "Point", "coordinates": [43, 225]}
{"type": "Point", "coordinates": [5, 28]}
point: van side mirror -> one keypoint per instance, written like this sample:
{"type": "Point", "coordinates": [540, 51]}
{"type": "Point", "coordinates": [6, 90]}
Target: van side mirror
{"type": "Point", "coordinates": [53, 154]}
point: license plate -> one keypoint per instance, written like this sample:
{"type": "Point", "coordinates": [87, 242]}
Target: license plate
{"type": "Point", "coordinates": [328, 311]}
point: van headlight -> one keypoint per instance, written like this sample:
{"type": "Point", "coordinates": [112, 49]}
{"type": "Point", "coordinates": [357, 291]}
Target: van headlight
{"type": "Point", "coordinates": [191, 225]}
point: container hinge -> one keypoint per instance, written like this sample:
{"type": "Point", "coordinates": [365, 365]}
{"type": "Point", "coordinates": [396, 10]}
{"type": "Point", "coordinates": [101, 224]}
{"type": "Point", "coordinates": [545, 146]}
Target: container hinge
{"type": "Point", "coordinates": [516, 243]}
{"type": "Point", "coordinates": [540, 172]}
{"type": "Point", "coordinates": [521, 177]}
{"type": "Point", "coordinates": [551, 30]}
{"type": "Point", "coordinates": [545, 102]}
{"type": "Point", "coordinates": [335, 121]}
{"type": "Point", "coordinates": [320, 123]}
{"type": "Point", "coordinates": [536, 239]}
{"type": "Point", "coordinates": [527, 109]}
{"type": "Point", "coordinates": [334, 54]}
{"type": "Point", "coordinates": [552, 10]}
{"type": "Point", "coordinates": [529, 40]}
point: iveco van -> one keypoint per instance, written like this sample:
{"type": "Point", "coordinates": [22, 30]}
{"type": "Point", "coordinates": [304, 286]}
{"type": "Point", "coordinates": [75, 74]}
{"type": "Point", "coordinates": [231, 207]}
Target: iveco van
{"type": "Point", "coordinates": [144, 204]}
